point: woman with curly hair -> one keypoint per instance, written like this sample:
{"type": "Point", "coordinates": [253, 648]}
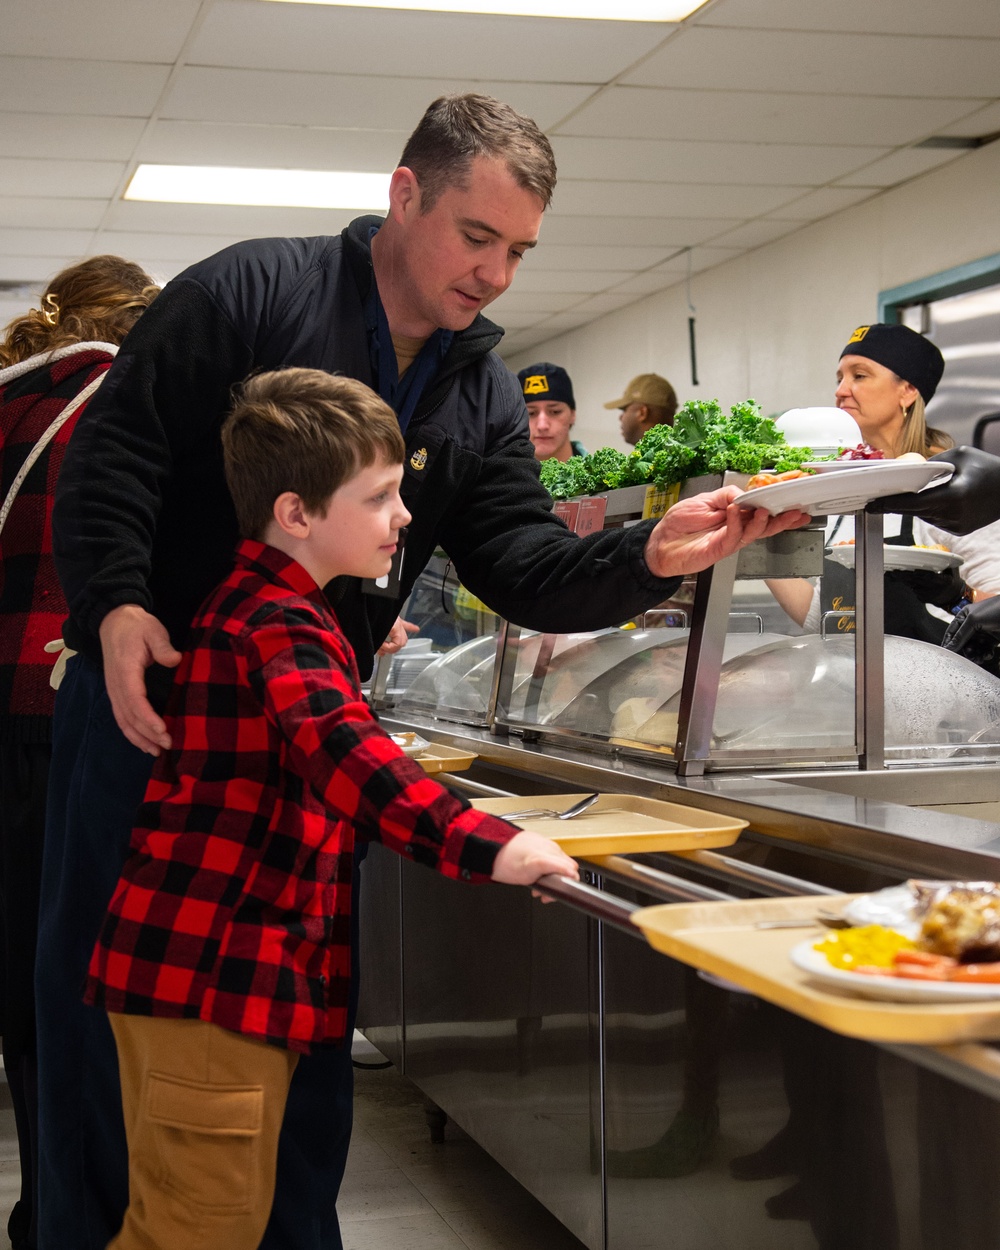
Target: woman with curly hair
{"type": "Point", "coordinates": [51, 361]}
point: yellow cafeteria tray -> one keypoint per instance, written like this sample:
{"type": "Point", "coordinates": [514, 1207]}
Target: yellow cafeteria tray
{"type": "Point", "coordinates": [621, 824]}
{"type": "Point", "coordinates": [722, 938]}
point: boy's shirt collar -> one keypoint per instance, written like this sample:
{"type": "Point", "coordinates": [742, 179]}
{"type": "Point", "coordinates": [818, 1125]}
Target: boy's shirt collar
{"type": "Point", "coordinates": [278, 567]}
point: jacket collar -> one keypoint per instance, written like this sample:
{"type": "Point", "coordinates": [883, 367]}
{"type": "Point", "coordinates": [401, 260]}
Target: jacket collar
{"type": "Point", "coordinates": [274, 566]}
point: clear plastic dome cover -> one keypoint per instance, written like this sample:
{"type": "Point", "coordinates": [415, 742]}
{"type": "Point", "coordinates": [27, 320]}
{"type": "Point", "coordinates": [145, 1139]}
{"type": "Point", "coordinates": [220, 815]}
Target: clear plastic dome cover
{"type": "Point", "coordinates": [775, 693]}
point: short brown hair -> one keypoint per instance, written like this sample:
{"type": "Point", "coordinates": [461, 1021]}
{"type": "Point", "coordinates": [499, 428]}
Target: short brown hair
{"type": "Point", "coordinates": [457, 128]}
{"type": "Point", "coordinates": [305, 431]}
{"type": "Point", "coordinates": [98, 300]}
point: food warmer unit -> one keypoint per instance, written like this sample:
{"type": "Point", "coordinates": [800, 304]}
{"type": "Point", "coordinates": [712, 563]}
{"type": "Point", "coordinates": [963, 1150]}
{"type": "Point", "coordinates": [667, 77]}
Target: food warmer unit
{"type": "Point", "coordinates": [645, 1103]}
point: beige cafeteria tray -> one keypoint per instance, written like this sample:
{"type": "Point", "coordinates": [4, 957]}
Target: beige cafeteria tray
{"type": "Point", "coordinates": [439, 758]}
{"type": "Point", "coordinates": [621, 824]}
{"type": "Point", "coordinates": [723, 938]}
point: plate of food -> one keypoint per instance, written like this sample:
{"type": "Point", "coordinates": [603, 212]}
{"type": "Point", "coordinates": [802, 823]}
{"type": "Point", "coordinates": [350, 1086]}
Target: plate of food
{"type": "Point", "coordinates": [922, 559]}
{"type": "Point", "coordinates": [844, 491]}
{"type": "Point", "coordinates": [891, 987]}
{"type": "Point", "coordinates": [925, 942]}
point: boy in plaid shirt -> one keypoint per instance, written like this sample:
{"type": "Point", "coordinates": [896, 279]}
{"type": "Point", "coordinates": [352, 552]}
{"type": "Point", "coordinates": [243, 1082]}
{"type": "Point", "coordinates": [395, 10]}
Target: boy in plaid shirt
{"type": "Point", "coordinates": [226, 948]}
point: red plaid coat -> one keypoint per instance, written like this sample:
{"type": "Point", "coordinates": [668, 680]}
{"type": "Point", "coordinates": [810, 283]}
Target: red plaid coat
{"type": "Point", "coordinates": [234, 906]}
{"type": "Point", "coordinates": [32, 607]}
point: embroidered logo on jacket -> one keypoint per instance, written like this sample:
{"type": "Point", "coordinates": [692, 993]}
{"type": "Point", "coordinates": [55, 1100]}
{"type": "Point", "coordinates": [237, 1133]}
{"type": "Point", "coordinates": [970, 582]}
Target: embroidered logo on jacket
{"type": "Point", "coordinates": [418, 459]}
{"type": "Point", "coordinates": [536, 384]}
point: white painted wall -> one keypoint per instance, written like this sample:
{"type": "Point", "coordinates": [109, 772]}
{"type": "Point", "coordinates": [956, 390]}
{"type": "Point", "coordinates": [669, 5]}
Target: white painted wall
{"type": "Point", "coordinates": [772, 323]}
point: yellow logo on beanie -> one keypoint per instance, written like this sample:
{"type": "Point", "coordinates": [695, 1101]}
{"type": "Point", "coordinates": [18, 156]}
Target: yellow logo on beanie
{"type": "Point", "coordinates": [419, 458]}
{"type": "Point", "coordinates": [537, 384]}
{"type": "Point", "coordinates": [859, 334]}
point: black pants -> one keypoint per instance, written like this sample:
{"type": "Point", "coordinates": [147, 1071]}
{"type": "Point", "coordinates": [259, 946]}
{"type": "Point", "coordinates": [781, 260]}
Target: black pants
{"type": "Point", "coordinates": [24, 771]}
{"type": "Point", "coordinates": [97, 781]}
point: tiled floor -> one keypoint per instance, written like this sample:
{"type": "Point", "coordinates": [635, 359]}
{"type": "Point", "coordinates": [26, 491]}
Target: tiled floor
{"type": "Point", "coordinates": [10, 1168]}
{"type": "Point", "coordinates": [401, 1192]}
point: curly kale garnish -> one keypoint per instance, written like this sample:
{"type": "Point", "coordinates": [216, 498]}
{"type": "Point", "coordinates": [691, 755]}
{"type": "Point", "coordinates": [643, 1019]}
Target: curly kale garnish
{"type": "Point", "coordinates": [701, 440]}
{"type": "Point", "coordinates": [606, 468]}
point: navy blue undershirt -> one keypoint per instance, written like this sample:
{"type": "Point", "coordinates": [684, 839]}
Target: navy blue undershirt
{"type": "Point", "coordinates": [402, 394]}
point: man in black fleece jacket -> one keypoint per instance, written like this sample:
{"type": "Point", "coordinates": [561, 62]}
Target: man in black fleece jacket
{"type": "Point", "coordinates": [144, 528]}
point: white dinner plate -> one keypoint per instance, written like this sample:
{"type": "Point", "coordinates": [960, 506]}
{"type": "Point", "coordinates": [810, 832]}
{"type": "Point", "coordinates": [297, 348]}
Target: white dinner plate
{"type": "Point", "coordinates": [822, 493]}
{"type": "Point", "coordinates": [893, 989]}
{"type": "Point", "coordinates": [925, 559]}
{"type": "Point", "coordinates": [835, 466]}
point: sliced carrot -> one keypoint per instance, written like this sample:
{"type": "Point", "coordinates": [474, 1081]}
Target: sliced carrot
{"type": "Point", "coordinates": [925, 959]}
{"type": "Point", "coordinates": [985, 973]}
{"type": "Point", "coordinates": [923, 972]}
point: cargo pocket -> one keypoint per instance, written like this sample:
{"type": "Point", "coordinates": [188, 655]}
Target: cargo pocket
{"type": "Point", "coordinates": [207, 1140]}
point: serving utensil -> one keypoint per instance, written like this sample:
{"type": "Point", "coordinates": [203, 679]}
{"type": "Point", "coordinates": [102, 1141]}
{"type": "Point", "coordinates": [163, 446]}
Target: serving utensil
{"type": "Point", "coordinates": [568, 814]}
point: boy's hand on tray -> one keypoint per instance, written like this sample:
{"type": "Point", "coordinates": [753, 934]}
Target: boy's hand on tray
{"type": "Point", "coordinates": [528, 856]}
{"type": "Point", "coordinates": [698, 532]}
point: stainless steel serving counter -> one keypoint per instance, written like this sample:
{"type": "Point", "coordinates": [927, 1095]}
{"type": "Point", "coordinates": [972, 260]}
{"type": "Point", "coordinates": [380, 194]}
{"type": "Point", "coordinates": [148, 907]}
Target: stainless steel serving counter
{"type": "Point", "coordinates": [647, 1106]}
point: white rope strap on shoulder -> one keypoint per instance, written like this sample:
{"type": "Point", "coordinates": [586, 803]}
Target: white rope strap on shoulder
{"type": "Point", "coordinates": [77, 402]}
{"type": "Point", "coordinates": [74, 404]}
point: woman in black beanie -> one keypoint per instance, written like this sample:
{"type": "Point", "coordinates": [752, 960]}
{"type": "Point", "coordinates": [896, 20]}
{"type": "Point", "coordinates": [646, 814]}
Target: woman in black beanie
{"type": "Point", "coordinates": [886, 376]}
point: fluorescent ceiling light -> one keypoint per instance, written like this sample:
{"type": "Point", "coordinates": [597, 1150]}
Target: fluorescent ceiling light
{"type": "Point", "coordinates": [275, 188]}
{"type": "Point", "coordinates": [621, 11]}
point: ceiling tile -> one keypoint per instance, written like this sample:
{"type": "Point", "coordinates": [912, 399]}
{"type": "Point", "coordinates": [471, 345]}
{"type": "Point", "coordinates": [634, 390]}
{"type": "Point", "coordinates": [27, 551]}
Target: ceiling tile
{"type": "Point", "coordinates": [633, 231]}
{"type": "Point", "coordinates": [41, 135]}
{"type": "Point", "coordinates": [984, 121]}
{"type": "Point", "coordinates": [701, 258]}
{"type": "Point", "coordinates": [27, 242]}
{"type": "Point", "coordinates": [518, 320]}
{"type": "Point", "coordinates": [916, 17]}
{"type": "Point", "coordinates": [30, 268]}
{"type": "Point", "coordinates": [754, 234]}
{"type": "Point", "coordinates": [264, 96]}
{"type": "Point", "coordinates": [555, 256]}
{"type": "Point", "coordinates": [822, 203]}
{"type": "Point", "coordinates": [646, 283]}
{"type": "Point", "coordinates": [648, 199]}
{"type": "Point", "coordinates": [55, 214]}
{"type": "Point", "coordinates": [760, 116]}
{"type": "Point", "coordinates": [101, 30]}
{"type": "Point", "coordinates": [186, 248]}
{"type": "Point", "coordinates": [335, 39]}
{"type": "Point", "coordinates": [271, 147]}
{"type": "Point", "coordinates": [517, 299]}
{"type": "Point", "coordinates": [666, 160]}
{"type": "Point", "coordinates": [564, 281]}
{"type": "Point", "coordinates": [898, 167]}
{"type": "Point", "coordinates": [607, 301]}
{"type": "Point", "coordinates": [86, 88]}
{"type": "Point", "coordinates": [825, 63]}
{"type": "Point", "coordinates": [223, 219]}
{"type": "Point", "coordinates": [59, 178]}
{"type": "Point", "coordinates": [561, 323]}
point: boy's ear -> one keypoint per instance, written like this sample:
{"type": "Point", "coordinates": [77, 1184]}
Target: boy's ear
{"type": "Point", "coordinates": [291, 516]}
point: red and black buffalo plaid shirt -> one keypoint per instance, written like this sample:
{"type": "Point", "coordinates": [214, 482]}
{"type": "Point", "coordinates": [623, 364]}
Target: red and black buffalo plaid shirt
{"type": "Point", "coordinates": [32, 608]}
{"type": "Point", "coordinates": [234, 905]}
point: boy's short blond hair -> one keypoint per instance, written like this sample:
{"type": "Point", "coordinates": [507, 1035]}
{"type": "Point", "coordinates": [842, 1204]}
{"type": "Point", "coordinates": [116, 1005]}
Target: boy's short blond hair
{"type": "Point", "coordinates": [305, 431]}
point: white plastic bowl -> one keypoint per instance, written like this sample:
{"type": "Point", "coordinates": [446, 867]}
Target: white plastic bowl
{"type": "Point", "coordinates": [822, 429]}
